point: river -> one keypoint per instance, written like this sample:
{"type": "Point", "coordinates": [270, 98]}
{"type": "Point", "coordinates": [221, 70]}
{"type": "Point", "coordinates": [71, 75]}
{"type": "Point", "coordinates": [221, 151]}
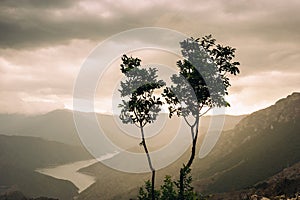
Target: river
{"type": "Point", "coordinates": [70, 172]}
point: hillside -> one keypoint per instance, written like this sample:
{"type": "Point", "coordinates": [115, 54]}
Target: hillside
{"type": "Point", "coordinates": [16, 195]}
{"type": "Point", "coordinates": [261, 145]}
{"type": "Point", "coordinates": [20, 156]}
{"type": "Point", "coordinates": [33, 152]}
{"type": "Point", "coordinates": [285, 184]}
{"type": "Point", "coordinates": [251, 150]}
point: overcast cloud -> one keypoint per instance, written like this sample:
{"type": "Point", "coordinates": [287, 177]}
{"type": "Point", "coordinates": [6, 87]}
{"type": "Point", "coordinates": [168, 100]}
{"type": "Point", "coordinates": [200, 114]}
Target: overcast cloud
{"type": "Point", "coordinates": [43, 44]}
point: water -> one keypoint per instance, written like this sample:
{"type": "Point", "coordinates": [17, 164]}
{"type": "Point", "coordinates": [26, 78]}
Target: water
{"type": "Point", "coordinates": [70, 172]}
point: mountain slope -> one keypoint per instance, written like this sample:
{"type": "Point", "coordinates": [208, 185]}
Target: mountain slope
{"type": "Point", "coordinates": [261, 145]}
{"type": "Point", "coordinates": [283, 184]}
{"type": "Point", "coordinates": [286, 182]}
{"type": "Point", "coordinates": [20, 156]}
{"type": "Point", "coordinates": [16, 195]}
{"type": "Point", "coordinates": [32, 152]}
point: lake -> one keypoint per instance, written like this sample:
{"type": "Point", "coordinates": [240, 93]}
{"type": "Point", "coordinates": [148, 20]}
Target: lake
{"type": "Point", "coordinates": [70, 172]}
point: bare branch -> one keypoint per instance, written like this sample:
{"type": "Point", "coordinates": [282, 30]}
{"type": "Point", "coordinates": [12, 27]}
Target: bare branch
{"type": "Point", "coordinates": [187, 121]}
{"type": "Point", "coordinates": [200, 115]}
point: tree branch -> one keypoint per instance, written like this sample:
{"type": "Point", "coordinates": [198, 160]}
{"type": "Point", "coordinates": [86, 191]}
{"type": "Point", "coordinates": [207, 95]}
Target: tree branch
{"type": "Point", "coordinates": [205, 112]}
{"type": "Point", "coordinates": [187, 121]}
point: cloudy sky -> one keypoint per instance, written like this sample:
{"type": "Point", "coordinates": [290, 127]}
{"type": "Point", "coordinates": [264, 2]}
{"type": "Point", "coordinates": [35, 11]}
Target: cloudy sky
{"type": "Point", "coordinates": [43, 44]}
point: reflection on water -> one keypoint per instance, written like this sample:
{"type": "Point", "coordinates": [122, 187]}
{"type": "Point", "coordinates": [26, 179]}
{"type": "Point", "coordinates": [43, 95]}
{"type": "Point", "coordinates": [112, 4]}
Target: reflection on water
{"type": "Point", "coordinates": [70, 172]}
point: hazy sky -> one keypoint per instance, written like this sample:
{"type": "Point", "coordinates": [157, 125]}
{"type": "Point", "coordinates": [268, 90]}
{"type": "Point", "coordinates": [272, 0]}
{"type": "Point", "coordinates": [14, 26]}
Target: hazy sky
{"type": "Point", "coordinates": [43, 44]}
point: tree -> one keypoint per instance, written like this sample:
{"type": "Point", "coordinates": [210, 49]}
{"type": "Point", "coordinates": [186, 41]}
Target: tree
{"type": "Point", "coordinates": [167, 189]}
{"type": "Point", "coordinates": [201, 84]}
{"type": "Point", "coordinates": [187, 192]}
{"type": "Point", "coordinates": [140, 106]}
{"type": "Point", "coordinates": [146, 192]}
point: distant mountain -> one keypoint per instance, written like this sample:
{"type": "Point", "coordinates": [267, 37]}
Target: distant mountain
{"type": "Point", "coordinates": [230, 121]}
{"type": "Point", "coordinates": [261, 145]}
{"type": "Point", "coordinates": [33, 152]}
{"type": "Point", "coordinates": [59, 126]}
{"type": "Point", "coordinates": [20, 156]}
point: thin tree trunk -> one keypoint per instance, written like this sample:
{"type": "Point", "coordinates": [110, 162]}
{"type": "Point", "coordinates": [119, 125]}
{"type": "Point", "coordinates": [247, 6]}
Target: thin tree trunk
{"type": "Point", "coordinates": [152, 186]}
{"type": "Point", "coordinates": [192, 157]}
{"type": "Point", "coordinates": [149, 162]}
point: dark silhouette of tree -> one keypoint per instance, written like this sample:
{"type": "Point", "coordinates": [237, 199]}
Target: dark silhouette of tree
{"type": "Point", "coordinates": [139, 104]}
{"type": "Point", "coordinates": [187, 189]}
{"type": "Point", "coordinates": [167, 189]}
{"type": "Point", "coordinates": [204, 69]}
{"type": "Point", "coordinates": [145, 192]}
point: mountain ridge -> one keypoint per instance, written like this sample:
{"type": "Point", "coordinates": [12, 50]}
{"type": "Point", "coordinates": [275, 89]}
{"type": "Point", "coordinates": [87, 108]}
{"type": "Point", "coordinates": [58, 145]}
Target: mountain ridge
{"type": "Point", "coordinates": [59, 125]}
{"type": "Point", "coordinates": [261, 145]}
{"type": "Point", "coordinates": [240, 159]}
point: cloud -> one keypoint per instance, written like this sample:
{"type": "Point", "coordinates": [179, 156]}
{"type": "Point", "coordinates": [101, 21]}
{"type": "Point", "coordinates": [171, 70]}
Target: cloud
{"type": "Point", "coordinates": [254, 92]}
{"type": "Point", "coordinates": [18, 102]}
{"type": "Point", "coordinates": [29, 26]}
{"type": "Point", "coordinates": [44, 43]}
{"type": "Point", "coordinates": [36, 4]}
{"type": "Point", "coordinates": [44, 75]}
{"type": "Point", "coordinates": [41, 23]}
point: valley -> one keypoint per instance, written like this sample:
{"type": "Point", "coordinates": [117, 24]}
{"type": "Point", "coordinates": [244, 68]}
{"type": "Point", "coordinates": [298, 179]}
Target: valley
{"type": "Point", "coordinates": [255, 154]}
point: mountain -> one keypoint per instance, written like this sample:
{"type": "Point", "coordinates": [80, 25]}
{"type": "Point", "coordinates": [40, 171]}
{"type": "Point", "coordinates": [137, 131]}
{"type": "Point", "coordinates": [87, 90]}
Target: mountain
{"type": "Point", "coordinates": [285, 184]}
{"type": "Point", "coordinates": [24, 151]}
{"type": "Point", "coordinates": [261, 145]}
{"type": "Point", "coordinates": [59, 126]}
{"type": "Point", "coordinates": [20, 156]}
{"type": "Point", "coordinates": [33, 152]}
{"type": "Point", "coordinates": [251, 150]}
{"type": "Point", "coordinates": [16, 195]}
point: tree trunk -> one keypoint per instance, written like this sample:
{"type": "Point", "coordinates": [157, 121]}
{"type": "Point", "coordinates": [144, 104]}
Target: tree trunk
{"type": "Point", "coordinates": [152, 186]}
{"type": "Point", "coordinates": [149, 162]}
{"type": "Point", "coordinates": [192, 157]}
